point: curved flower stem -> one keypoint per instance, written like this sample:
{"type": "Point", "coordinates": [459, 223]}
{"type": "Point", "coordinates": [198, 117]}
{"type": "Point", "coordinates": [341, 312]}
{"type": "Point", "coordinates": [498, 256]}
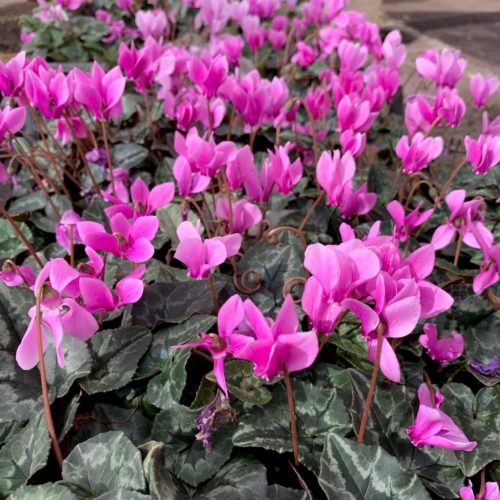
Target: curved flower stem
{"type": "Point", "coordinates": [428, 381]}
{"type": "Point", "coordinates": [253, 135]}
{"type": "Point", "coordinates": [108, 157]}
{"type": "Point", "coordinates": [311, 210]}
{"type": "Point", "coordinates": [21, 235]}
{"type": "Point", "coordinates": [293, 420]}
{"type": "Point", "coordinates": [43, 381]}
{"type": "Point", "coordinates": [450, 179]}
{"type": "Point", "coordinates": [371, 390]}
{"type": "Point", "coordinates": [213, 292]}
{"type": "Point", "coordinates": [479, 496]}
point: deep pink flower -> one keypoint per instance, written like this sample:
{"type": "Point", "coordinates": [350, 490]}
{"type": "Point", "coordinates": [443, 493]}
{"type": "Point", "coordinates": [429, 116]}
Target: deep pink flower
{"type": "Point", "coordinates": [137, 65]}
{"type": "Point", "coordinates": [334, 172]}
{"type": "Point", "coordinates": [12, 75]}
{"type": "Point", "coordinates": [318, 103]}
{"type": "Point", "coordinates": [491, 492]}
{"type": "Point", "coordinates": [490, 269]}
{"type": "Point", "coordinates": [305, 55]}
{"type": "Point", "coordinates": [443, 350]}
{"type": "Point", "coordinates": [66, 131]}
{"type": "Point", "coordinates": [209, 77]}
{"type": "Point", "coordinates": [483, 153]}
{"type": "Point", "coordinates": [71, 4]}
{"type": "Point", "coordinates": [188, 180]}
{"type": "Point", "coordinates": [285, 173]}
{"type": "Point", "coordinates": [152, 23]}
{"type": "Point", "coordinates": [260, 185]}
{"type": "Point", "coordinates": [67, 224]}
{"type": "Point", "coordinates": [11, 121]}
{"type": "Point", "coordinates": [144, 201]}
{"type": "Point", "coordinates": [418, 152]}
{"type": "Point", "coordinates": [352, 56]}
{"type": "Point", "coordinates": [482, 88]}
{"type": "Point", "coordinates": [226, 342]}
{"type": "Point", "coordinates": [201, 256]}
{"type": "Point", "coordinates": [277, 345]}
{"type": "Point", "coordinates": [405, 224]}
{"type": "Point", "coordinates": [99, 298]}
{"type": "Point", "coordinates": [12, 275]}
{"type": "Point", "coordinates": [352, 142]}
{"type": "Point", "coordinates": [433, 427]}
{"type": "Point", "coordinates": [354, 114]}
{"type": "Point", "coordinates": [100, 92]}
{"type": "Point", "coordinates": [393, 49]}
{"type": "Point", "coordinates": [490, 128]}
{"type": "Point", "coordinates": [244, 214]}
{"type": "Point", "coordinates": [397, 311]}
{"type": "Point", "coordinates": [254, 32]}
{"type": "Point", "coordinates": [444, 68]}
{"type": "Point", "coordinates": [60, 313]}
{"type": "Point", "coordinates": [131, 241]}
{"type": "Point", "coordinates": [466, 218]}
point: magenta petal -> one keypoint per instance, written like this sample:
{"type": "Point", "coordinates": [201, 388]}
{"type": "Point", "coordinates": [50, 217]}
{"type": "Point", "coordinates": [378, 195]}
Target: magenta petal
{"type": "Point", "coordinates": [443, 236]}
{"type": "Point", "coordinates": [191, 252]}
{"type": "Point", "coordinates": [27, 351]}
{"type": "Point", "coordinates": [140, 251]}
{"type": "Point", "coordinates": [257, 321]}
{"type": "Point", "coordinates": [287, 321]}
{"type": "Point", "coordinates": [161, 195]}
{"type": "Point", "coordinates": [219, 374]}
{"type": "Point", "coordinates": [230, 316]}
{"type": "Point", "coordinates": [145, 227]}
{"type": "Point", "coordinates": [299, 350]}
{"type": "Point", "coordinates": [54, 323]}
{"type": "Point", "coordinates": [78, 322]}
{"type": "Point", "coordinates": [216, 252]}
{"type": "Point", "coordinates": [139, 192]}
{"type": "Point", "coordinates": [129, 290]}
{"type": "Point", "coordinates": [421, 261]}
{"type": "Point", "coordinates": [401, 317]}
{"type": "Point", "coordinates": [96, 295]}
{"type": "Point", "coordinates": [368, 317]}
{"type": "Point", "coordinates": [389, 364]}
{"type": "Point", "coordinates": [433, 300]}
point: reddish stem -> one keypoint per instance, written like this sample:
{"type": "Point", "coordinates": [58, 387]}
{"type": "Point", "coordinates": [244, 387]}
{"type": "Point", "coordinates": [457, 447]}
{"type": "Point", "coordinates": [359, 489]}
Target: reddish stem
{"type": "Point", "coordinates": [293, 420]}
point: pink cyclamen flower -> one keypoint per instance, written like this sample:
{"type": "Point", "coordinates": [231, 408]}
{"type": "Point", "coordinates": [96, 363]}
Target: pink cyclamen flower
{"type": "Point", "coordinates": [491, 492]}
{"type": "Point", "coordinates": [483, 153]}
{"type": "Point", "coordinates": [144, 201]}
{"type": "Point", "coordinates": [393, 49]}
{"type": "Point", "coordinates": [351, 56]}
{"type": "Point", "coordinates": [67, 230]}
{"type": "Point", "coordinates": [354, 113]}
{"type": "Point", "coordinates": [189, 181]}
{"type": "Point", "coordinates": [151, 23]}
{"type": "Point", "coordinates": [209, 77]}
{"type": "Point", "coordinates": [405, 224]}
{"type": "Point", "coordinates": [227, 341]}
{"type": "Point", "coordinates": [444, 68]}
{"type": "Point", "coordinates": [490, 269]}
{"type": "Point", "coordinates": [433, 427]}
{"type": "Point", "coordinates": [12, 275]}
{"type": "Point", "coordinates": [318, 103]}
{"type": "Point", "coordinates": [99, 298]}
{"type": "Point", "coordinates": [100, 92]}
{"type": "Point", "coordinates": [68, 128]}
{"type": "Point", "coordinates": [11, 121]}
{"type": "Point", "coordinates": [124, 4]}
{"type": "Point", "coordinates": [396, 314]}
{"type": "Point", "coordinates": [482, 88]}
{"type": "Point", "coordinates": [285, 173]}
{"type": "Point", "coordinates": [131, 241]}
{"type": "Point", "coordinates": [60, 313]}
{"type": "Point", "coordinates": [418, 152]}
{"type": "Point", "coordinates": [71, 4]}
{"type": "Point", "coordinates": [201, 256]}
{"type": "Point", "coordinates": [137, 65]}
{"type": "Point", "coordinates": [278, 346]}
{"type": "Point", "coordinates": [334, 172]}
{"type": "Point", "coordinates": [12, 75]}
{"type": "Point", "coordinates": [352, 142]}
{"type": "Point", "coordinates": [305, 55]}
{"type": "Point", "coordinates": [466, 219]}
{"type": "Point", "coordinates": [243, 214]}
{"type": "Point", "coordinates": [444, 350]}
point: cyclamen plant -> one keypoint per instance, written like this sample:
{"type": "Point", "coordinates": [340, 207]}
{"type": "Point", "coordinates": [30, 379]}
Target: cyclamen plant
{"type": "Point", "coordinates": [211, 225]}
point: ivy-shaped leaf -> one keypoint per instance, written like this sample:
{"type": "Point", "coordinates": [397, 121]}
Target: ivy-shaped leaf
{"type": "Point", "coordinates": [168, 386]}
{"type": "Point", "coordinates": [115, 354]}
{"type": "Point", "coordinates": [105, 464]}
{"type": "Point", "coordinates": [25, 453]}
{"type": "Point", "coordinates": [318, 411]}
{"type": "Point", "coordinates": [356, 472]}
{"type": "Point", "coordinates": [11, 244]}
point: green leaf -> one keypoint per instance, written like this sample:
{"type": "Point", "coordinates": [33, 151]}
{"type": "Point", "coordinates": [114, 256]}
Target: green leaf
{"type": "Point", "coordinates": [11, 244]}
{"type": "Point", "coordinates": [176, 427]}
{"type": "Point", "coordinates": [116, 354]}
{"type": "Point", "coordinates": [278, 492]}
{"type": "Point", "coordinates": [240, 479]}
{"type": "Point", "coordinates": [25, 453]}
{"type": "Point", "coordinates": [108, 417]}
{"type": "Point", "coordinates": [479, 418]}
{"type": "Point", "coordinates": [243, 384]}
{"type": "Point", "coordinates": [355, 471]}
{"type": "Point", "coordinates": [168, 386]}
{"type": "Point", "coordinates": [102, 464]}
{"type": "Point", "coordinates": [20, 389]}
{"type": "Point", "coordinates": [174, 302]}
{"type": "Point", "coordinates": [318, 411]}
{"type": "Point", "coordinates": [28, 203]}
{"type": "Point", "coordinates": [46, 491]}
{"type": "Point", "coordinates": [162, 484]}
{"type": "Point", "coordinates": [275, 263]}
{"type": "Point", "coordinates": [170, 216]}
{"type": "Point", "coordinates": [128, 155]}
